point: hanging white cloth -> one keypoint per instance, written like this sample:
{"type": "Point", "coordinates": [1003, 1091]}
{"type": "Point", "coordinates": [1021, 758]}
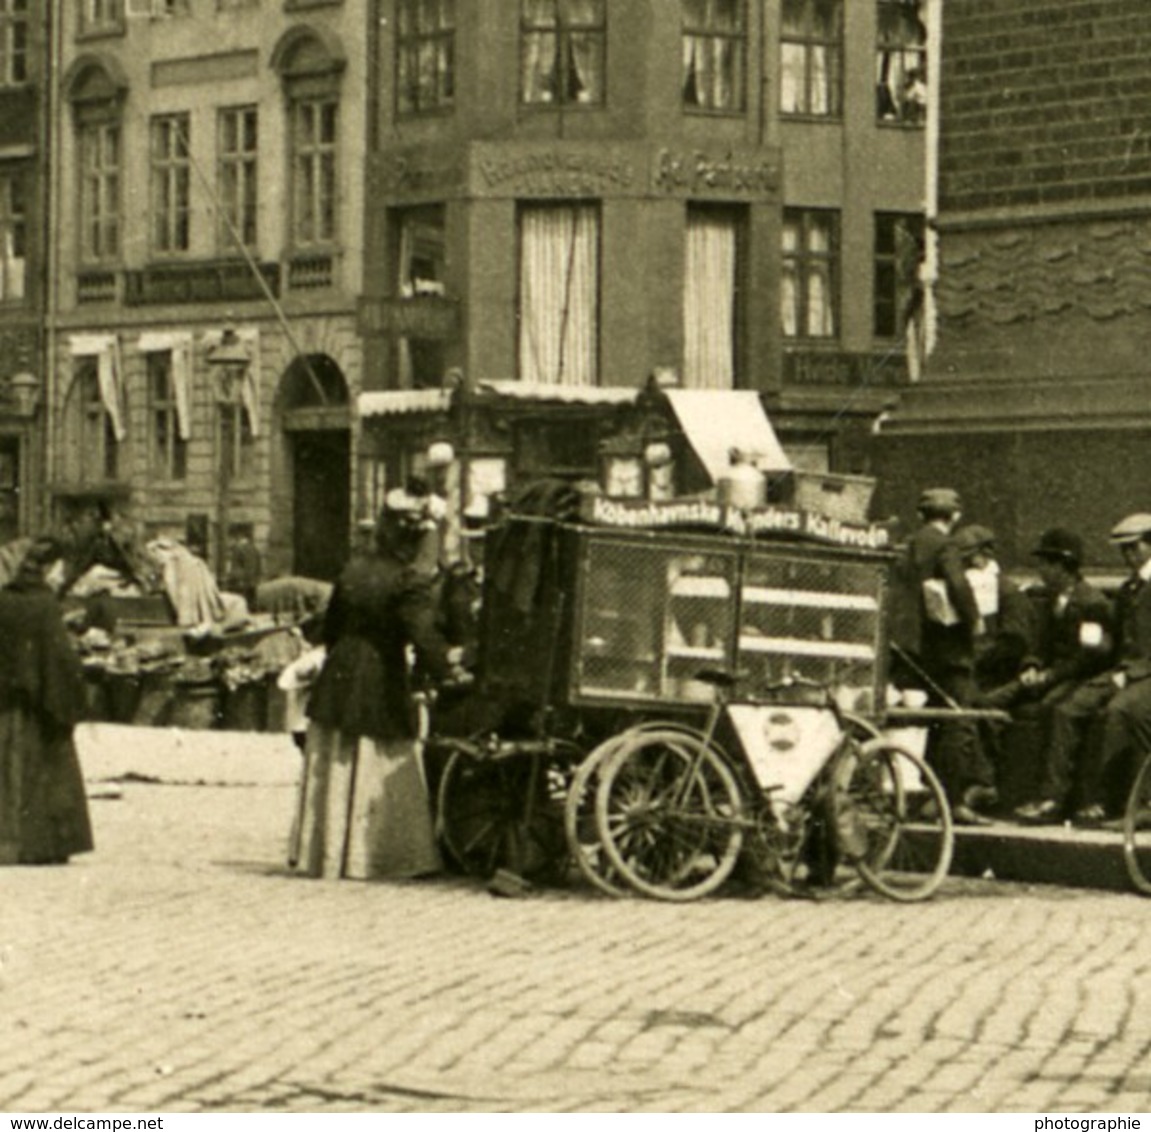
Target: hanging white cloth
{"type": "Point", "coordinates": [106, 350]}
{"type": "Point", "coordinates": [559, 275]}
{"type": "Point", "coordinates": [709, 301]}
{"type": "Point", "coordinates": [179, 345]}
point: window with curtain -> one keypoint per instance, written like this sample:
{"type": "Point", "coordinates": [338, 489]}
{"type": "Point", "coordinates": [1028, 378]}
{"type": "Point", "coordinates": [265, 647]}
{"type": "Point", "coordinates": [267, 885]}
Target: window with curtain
{"type": "Point", "coordinates": [811, 58]}
{"type": "Point", "coordinates": [314, 170]}
{"type": "Point", "coordinates": [237, 154]}
{"type": "Point", "coordinates": [901, 63]}
{"type": "Point", "coordinates": [559, 293]}
{"type": "Point", "coordinates": [562, 51]}
{"type": "Point", "coordinates": [13, 238]}
{"type": "Point", "coordinates": [90, 451]}
{"type": "Point", "coordinates": [714, 54]}
{"type": "Point", "coordinates": [710, 297]}
{"type": "Point", "coordinates": [809, 282]}
{"type": "Point", "coordinates": [169, 450]}
{"type": "Point", "coordinates": [13, 42]}
{"type": "Point", "coordinates": [171, 183]}
{"type": "Point", "coordinates": [898, 255]}
{"type": "Point", "coordinates": [103, 15]}
{"type": "Point", "coordinates": [425, 55]}
{"type": "Point", "coordinates": [421, 246]}
{"type": "Point", "coordinates": [99, 147]}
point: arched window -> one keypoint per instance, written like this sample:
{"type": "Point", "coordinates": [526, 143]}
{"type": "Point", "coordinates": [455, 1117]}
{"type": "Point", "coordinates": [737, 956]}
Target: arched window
{"type": "Point", "coordinates": [310, 64]}
{"type": "Point", "coordinates": [96, 89]}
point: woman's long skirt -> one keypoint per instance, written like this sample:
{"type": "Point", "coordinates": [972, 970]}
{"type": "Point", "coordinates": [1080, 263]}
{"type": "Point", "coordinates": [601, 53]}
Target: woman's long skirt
{"type": "Point", "coordinates": [43, 807]}
{"type": "Point", "coordinates": [363, 809]}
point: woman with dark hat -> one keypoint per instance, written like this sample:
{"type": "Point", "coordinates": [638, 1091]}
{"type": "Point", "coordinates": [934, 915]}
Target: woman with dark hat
{"type": "Point", "coordinates": [364, 809]}
{"type": "Point", "coordinates": [43, 809]}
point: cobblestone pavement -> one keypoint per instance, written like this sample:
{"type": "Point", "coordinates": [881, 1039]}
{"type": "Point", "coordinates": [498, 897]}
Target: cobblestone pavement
{"type": "Point", "coordinates": [178, 968]}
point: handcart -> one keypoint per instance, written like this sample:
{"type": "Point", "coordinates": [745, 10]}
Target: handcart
{"type": "Point", "coordinates": [680, 693]}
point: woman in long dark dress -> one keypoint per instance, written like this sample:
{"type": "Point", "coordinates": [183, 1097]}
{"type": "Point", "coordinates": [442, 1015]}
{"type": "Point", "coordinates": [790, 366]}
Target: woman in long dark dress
{"type": "Point", "coordinates": [43, 808]}
{"type": "Point", "coordinates": [363, 807]}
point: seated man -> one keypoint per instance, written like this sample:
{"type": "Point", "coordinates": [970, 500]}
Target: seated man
{"type": "Point", "coordinates": [1118, 699]}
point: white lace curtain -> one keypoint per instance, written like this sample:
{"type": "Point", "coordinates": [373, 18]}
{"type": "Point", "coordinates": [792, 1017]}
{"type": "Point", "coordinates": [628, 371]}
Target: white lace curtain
{"type": "Point", "coordinates": [559, 283]}
{"type": "Point", "coordinates": [709, 301]}
{"type": "Point", "coordinates": [580, 38]}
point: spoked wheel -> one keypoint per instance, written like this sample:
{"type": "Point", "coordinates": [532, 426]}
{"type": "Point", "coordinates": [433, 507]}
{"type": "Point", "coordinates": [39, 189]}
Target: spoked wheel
{"type": "Point", "coordinates": [583, 840]}
{"type": "Point", "coordinates": [669, 814]}
{"type": "Point", "coordinates": [891, 819]}
{"type": "Point", "coordinates": [501, 814]}
{"type": "Point", "coordinates": [1137, 829]}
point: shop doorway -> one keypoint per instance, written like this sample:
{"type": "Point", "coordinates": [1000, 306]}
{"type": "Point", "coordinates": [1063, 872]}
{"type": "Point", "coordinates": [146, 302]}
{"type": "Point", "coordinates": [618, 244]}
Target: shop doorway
{"type": "Point", "coordinates": [321, 464]}
{"type": "Point", "coordinates": [315, 419]}
{"type": "Point", "coordinates": [9, 488]}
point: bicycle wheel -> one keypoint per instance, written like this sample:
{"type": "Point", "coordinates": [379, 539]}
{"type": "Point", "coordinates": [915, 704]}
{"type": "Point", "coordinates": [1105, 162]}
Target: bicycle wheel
{"type": "Point", "coordinates": [1137, 829]}
{"type": "Point", "coordinates": [583, 841]}
{"type": "Point", "coordinates": [498, 814]}
{"type": "Point", "coordinates": [669, 814]}
{"type": "Point", "coordinates": [891, 819]}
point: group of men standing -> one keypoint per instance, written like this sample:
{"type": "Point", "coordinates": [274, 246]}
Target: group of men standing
{"type": "Point", "coordinates": [1065, 657]}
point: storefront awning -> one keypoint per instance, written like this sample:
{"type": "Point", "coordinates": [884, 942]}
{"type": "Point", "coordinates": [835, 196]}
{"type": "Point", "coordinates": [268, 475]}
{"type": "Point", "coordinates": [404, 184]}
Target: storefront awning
{"type": "Point", "coordinates": [562, 394]}
{"type": "Point", "coordinates": [395, 402]}
{"type": "Point", "coordinates": [715, 421]}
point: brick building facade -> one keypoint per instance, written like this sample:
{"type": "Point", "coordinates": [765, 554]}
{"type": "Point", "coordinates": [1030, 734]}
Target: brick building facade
{"type": "Point", "coordinates": [1036, 402]}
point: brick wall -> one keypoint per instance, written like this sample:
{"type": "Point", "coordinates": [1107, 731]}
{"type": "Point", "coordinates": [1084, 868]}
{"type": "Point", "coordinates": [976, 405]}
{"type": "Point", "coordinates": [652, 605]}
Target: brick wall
{"type": "Point", "coordinates": [1044, 101]}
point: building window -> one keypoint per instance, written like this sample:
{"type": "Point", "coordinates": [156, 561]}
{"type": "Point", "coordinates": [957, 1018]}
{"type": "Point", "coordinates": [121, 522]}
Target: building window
{"type": "Point", "coordinates": [92, 452]}
{"type": "Point", "coordinates": [714, 51]}
{"type": "Point", "coordinates": [425, 55]}
{"type": "Point", "coordinates": [811, 58]}
{"type": "Point", "coordinates": [710, 297]}
{"type": "Point", "coordinates": [809, 284]}
{"type": "Point", "coordinates": [559, 293]}
{"type": "Point", "coordinates": [102, 15]}
{"type": "Point", "coordinates": [562, 51]}
{"type": "Point", "coordinates": [901, 63]}
{"type": "Point", "coordinates": [422, 262]}
{"type": "Point", "coordinates": [169, 451]}
{"type": "Point", "coordinates": [238, 147]}
{"type": "Point", "coordinates": [100, 191]}
{"type": "Point", "coordinates": [314, 136]}
{"type": "Point", "coordinates": [171, 183]}
{"type": "Point", "coordinates": [13, 238]}
{"type": "Point", "coordinates": [237, 443]}
{"type": "Point", "coordinates": [13, 42]}
{"type": "Point", "coordinates": [898, 255]}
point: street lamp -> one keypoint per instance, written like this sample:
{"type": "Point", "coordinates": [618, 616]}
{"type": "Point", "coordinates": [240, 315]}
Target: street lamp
{"type": "Point", "coordinates": [229, 360]}
{"type": "Point", "coordinates": [24, 394]}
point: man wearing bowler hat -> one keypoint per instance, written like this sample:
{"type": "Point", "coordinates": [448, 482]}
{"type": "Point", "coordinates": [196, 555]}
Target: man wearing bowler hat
{"type": "Point", "coordinates": [1118, 699]}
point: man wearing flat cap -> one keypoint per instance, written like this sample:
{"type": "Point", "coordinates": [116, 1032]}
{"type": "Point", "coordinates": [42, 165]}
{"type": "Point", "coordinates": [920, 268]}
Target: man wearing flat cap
{"type": "Point", "coordinates": [935, 622]}
{"type": "Point", "coordinates": [1118, 699]}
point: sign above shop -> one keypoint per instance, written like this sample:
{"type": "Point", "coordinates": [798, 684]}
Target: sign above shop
{"type": "Point", "coordinates": [628, 514]}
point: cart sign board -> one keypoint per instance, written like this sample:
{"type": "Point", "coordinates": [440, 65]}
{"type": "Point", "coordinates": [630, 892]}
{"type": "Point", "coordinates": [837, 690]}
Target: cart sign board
{"type": "Point", "coordinates": [639, 515]}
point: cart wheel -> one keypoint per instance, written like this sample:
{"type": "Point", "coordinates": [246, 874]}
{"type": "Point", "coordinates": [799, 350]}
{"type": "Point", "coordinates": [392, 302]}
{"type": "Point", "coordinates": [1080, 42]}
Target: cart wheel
{"type": "Point", "coordinates": [669, 814]}
{"type": "Point", "coordinates": [583, 841]}
{"type": "Point", "coordinates": [891, 819]}
{"type": "Point", "coordinates": [1137, 829]}
{"type": "Point", "coordinates": [499, 814]}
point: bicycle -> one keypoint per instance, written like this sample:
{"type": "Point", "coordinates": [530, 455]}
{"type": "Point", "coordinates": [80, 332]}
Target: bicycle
{"type": "Point", "coordinates": [1137, 829]}
{"type": "Point", "coordinates": [676, 810]}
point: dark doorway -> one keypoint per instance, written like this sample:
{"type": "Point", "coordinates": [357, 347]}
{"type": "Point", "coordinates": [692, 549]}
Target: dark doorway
{"type": "Point", "coordinates": [321, 472]}
{"type": "Point", "coordinates": [9, 488]}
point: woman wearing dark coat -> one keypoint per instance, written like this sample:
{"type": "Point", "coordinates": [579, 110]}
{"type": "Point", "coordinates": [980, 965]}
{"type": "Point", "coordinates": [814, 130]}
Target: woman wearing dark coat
{"type": "Point", "coordinates": [364, 810]}
{"type": "Point", "coordinates": [43, 808]}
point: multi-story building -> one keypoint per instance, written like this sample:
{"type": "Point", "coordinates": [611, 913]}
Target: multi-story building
{"type": "Point", "coordinates": [536, 202]}
{"type": "Point", "coordinates": [209, 173]}
{"type": "Point", "coordinates": [572, 194]}
{"type": "Point", "coordinates": [1035, 404]}
{"type": "Point", "coordinates": [24, 134]}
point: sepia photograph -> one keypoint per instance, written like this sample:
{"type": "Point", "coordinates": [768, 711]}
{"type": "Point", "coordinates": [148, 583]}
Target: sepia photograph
{"type": "Point", "coordinates": [575, 557]}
